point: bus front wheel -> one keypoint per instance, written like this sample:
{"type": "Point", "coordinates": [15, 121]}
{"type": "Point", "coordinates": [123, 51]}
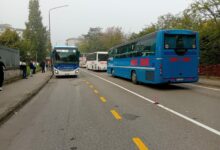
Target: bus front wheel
{"type": "Point", "coordinates": [134, 77]}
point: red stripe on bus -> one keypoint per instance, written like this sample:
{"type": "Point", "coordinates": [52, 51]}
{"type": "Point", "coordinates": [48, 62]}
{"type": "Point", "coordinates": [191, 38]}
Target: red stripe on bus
{"type": "Point", "coordinates": [144, 62]}
{"type": "Point", "coordinates": [134, 62]}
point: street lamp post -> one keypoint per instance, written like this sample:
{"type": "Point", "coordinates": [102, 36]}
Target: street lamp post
{"type": "Point", "coordinates": [49, 17]}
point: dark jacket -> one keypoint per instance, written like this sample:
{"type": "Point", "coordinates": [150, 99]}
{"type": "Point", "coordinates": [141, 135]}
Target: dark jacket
{"type": "Point", "coordinates": [32, 66]}
{"type": "Point", "coordinates": [2, 66]}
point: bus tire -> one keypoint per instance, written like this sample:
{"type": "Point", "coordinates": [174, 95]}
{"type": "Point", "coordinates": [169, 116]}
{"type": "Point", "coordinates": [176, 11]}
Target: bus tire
{"type": "Point", "coordinates": [134, 77]}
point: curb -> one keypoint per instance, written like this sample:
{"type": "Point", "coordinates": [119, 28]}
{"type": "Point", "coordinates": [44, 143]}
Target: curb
{"type": "Point", "coordinates": [11, 111]}
{"type": "Point", "coordinates": [208, 85]}
{"type": "Point", "coordinates": [15, 79]}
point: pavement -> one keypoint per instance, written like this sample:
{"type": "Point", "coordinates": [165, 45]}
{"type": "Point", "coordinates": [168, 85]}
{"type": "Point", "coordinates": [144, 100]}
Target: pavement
{"type": "Point", "coordinates": [211, 81]}
{"type": "Point", "coordinates": [98, 112]}
{"type": "Point", "coordinates": [16, 94]}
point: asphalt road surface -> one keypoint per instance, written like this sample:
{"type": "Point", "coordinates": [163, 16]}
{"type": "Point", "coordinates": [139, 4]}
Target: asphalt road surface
{"type": "Point", "coordinates": [98, 112]}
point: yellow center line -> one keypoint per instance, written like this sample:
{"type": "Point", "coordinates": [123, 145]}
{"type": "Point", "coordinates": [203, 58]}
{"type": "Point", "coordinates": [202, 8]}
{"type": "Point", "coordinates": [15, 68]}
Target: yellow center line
{"type": "Point", "coordinates": [139, 144]}
{"type": "Point", "coordinates": [116, 114]}
{"type": "Point", "coordinates": [91, 86]}
{"type": "Point", "coordinates": [96, 91]}
{"type": "Point", "coordinates": [102, 99]}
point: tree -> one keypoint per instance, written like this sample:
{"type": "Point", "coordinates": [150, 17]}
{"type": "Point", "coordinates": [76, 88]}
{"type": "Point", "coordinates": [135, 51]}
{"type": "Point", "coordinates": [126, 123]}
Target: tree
{"type": "Point", "coordinates": [35, 32]}
{"type": "Point", "coordinates": [208, 9]}
{"type": "Point", "coordinates": [149, 29]}
{"type": "Point", "coordinates": [25, 47]}
{"type": "Point", "coordinates": [97, 40]}
{"type": "Point", "coordinates": [9, 39]}
{"type": "Point", "coordinates": [202, 16]}
{"type": "Point", "coordinates": [111, 37]}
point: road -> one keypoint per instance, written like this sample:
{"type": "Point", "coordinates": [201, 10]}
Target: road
{"type": "Point", "coordinates": [98, 112]}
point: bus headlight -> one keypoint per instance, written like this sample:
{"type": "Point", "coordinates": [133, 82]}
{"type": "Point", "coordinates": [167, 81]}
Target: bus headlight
{"type": "Point", "coordinates": [56, 72]}
{"type": "Point", "coordinates": [77, 71]}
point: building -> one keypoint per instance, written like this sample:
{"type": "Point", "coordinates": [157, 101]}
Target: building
{"type": "Point", "coordinates": [3, 27]}
{"type": "Point", "coordinates": [72, 41]}
{"type": "Point", "coordinates": [19, 32]}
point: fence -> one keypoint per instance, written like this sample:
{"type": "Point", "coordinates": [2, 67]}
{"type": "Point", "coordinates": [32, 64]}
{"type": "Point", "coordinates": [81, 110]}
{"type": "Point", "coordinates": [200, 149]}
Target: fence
{"type": "Point", "coordinates": [10, 57]}
{"type": "Point", "coordinates": [210, 70]}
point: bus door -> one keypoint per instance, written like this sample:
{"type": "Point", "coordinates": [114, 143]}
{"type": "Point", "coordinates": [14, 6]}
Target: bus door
{"type": "Point", "coordinates": [180, 59]}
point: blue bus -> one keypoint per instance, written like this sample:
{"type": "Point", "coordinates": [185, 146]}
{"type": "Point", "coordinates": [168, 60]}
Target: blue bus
{"type": "Point", "coordinates": [165, 56]}
{"type": "Point", "coordinates": [65, 60]}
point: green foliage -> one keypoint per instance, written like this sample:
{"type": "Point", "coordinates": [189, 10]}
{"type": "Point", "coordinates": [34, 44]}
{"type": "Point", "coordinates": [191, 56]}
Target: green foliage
{"type": "Point", "coordinates": [9, 39]}
{"type": "Point", "coordinates": [25, 48]}
{"type": "Point", "coordinates": [202, 16]}
{"type": "Point", "coordinates": [97, 40]}
{"type": "Point", "coordinates": [35, 32]}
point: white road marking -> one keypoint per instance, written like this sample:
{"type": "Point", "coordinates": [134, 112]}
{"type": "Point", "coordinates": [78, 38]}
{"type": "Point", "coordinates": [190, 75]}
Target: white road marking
{"type": "Point", "coordinates": [161, 106]}
{"type": "Point", "coordinates": [204, 87]}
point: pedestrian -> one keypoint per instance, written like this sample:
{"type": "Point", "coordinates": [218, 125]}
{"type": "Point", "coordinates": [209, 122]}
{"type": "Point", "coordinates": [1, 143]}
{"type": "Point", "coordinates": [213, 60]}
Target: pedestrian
{"type": "Point", "coordinates": [34, 70]}
{"type": "Point", "coordinates": [31, 65]}
{"type": "Point", "coordinates": [42, 65]}
{"type": "Point", "coordinates": [23, 67]}
{"type": "Point", "coordinates": [2, 68]}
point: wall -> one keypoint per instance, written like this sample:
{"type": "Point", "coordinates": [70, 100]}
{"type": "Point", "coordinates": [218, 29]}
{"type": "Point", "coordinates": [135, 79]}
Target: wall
{"type": "Point", "coordinates": [11, 59]}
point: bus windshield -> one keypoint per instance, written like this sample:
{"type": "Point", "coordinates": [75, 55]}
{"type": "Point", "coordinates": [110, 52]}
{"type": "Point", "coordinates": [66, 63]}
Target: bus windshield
{"type": "Point", "coordinates": [179, 41]}
{"type": "Point", "coordinates": [66, 56]}
{"type": "Point", "coordinates": [103, 57]}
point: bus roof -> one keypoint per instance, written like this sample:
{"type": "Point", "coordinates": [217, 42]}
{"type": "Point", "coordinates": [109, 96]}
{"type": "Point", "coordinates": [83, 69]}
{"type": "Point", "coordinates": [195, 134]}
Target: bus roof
{"type": "Point", "coordinates": [150, 34]}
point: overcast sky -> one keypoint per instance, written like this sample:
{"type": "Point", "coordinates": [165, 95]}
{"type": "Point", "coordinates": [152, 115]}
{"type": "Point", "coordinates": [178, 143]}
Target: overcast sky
{"type": "Point", "coordinates": [75, 20]}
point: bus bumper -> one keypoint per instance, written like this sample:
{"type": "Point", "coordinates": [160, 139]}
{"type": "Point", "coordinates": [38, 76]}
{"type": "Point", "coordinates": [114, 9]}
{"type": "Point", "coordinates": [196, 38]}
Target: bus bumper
{"type": "Point", "coordinates": [180, 80]}
{"type": "Point", "coordinates": [66, 73]}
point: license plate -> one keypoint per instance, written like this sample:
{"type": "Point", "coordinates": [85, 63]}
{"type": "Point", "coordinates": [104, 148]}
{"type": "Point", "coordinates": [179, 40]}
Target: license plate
{"type": "Point", "coordinates": [179, 79]}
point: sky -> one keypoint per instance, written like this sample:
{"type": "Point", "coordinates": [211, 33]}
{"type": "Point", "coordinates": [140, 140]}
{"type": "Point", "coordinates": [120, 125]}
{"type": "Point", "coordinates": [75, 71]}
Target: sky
{"type": "Point", "coordinates": [80, 15]}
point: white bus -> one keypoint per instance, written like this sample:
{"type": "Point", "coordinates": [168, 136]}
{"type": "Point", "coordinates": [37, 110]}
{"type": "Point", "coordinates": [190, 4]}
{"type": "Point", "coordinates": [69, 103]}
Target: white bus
{"type": "Point", "coordinates": [97, 61]}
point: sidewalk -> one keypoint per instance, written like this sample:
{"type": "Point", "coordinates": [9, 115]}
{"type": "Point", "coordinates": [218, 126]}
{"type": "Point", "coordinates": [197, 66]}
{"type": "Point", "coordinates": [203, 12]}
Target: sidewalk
{"type": "Point", "coordinates": [16, 94]}
{"type": "Point", "coordinates": [215, 82]}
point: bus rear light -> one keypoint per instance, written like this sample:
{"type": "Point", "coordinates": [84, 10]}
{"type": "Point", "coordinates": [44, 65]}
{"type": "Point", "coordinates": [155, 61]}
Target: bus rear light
{"type": "Point", "coordinates": [174, 59]}
{"type": "Point", "coordinates": [186, 59]}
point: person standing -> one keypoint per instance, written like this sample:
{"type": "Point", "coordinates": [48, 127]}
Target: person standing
{"type": "Point", "coordinates": [2, 67]}
{"type": "Point", "coordinates": [42, 65]}
{"type": "Point", "coordinates": [34, 69]}
{"type": "Point", "coordinates": [31, 65]}
{"type": "Point", "coordinates": [24, 70]}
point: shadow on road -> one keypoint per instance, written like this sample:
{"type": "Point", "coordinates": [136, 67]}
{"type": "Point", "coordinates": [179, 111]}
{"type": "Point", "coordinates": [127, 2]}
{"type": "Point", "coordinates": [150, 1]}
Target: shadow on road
{"type": "Point", "coordinates": [159, 86]}
{"type": "Point", "coordinates": [65, 77]}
